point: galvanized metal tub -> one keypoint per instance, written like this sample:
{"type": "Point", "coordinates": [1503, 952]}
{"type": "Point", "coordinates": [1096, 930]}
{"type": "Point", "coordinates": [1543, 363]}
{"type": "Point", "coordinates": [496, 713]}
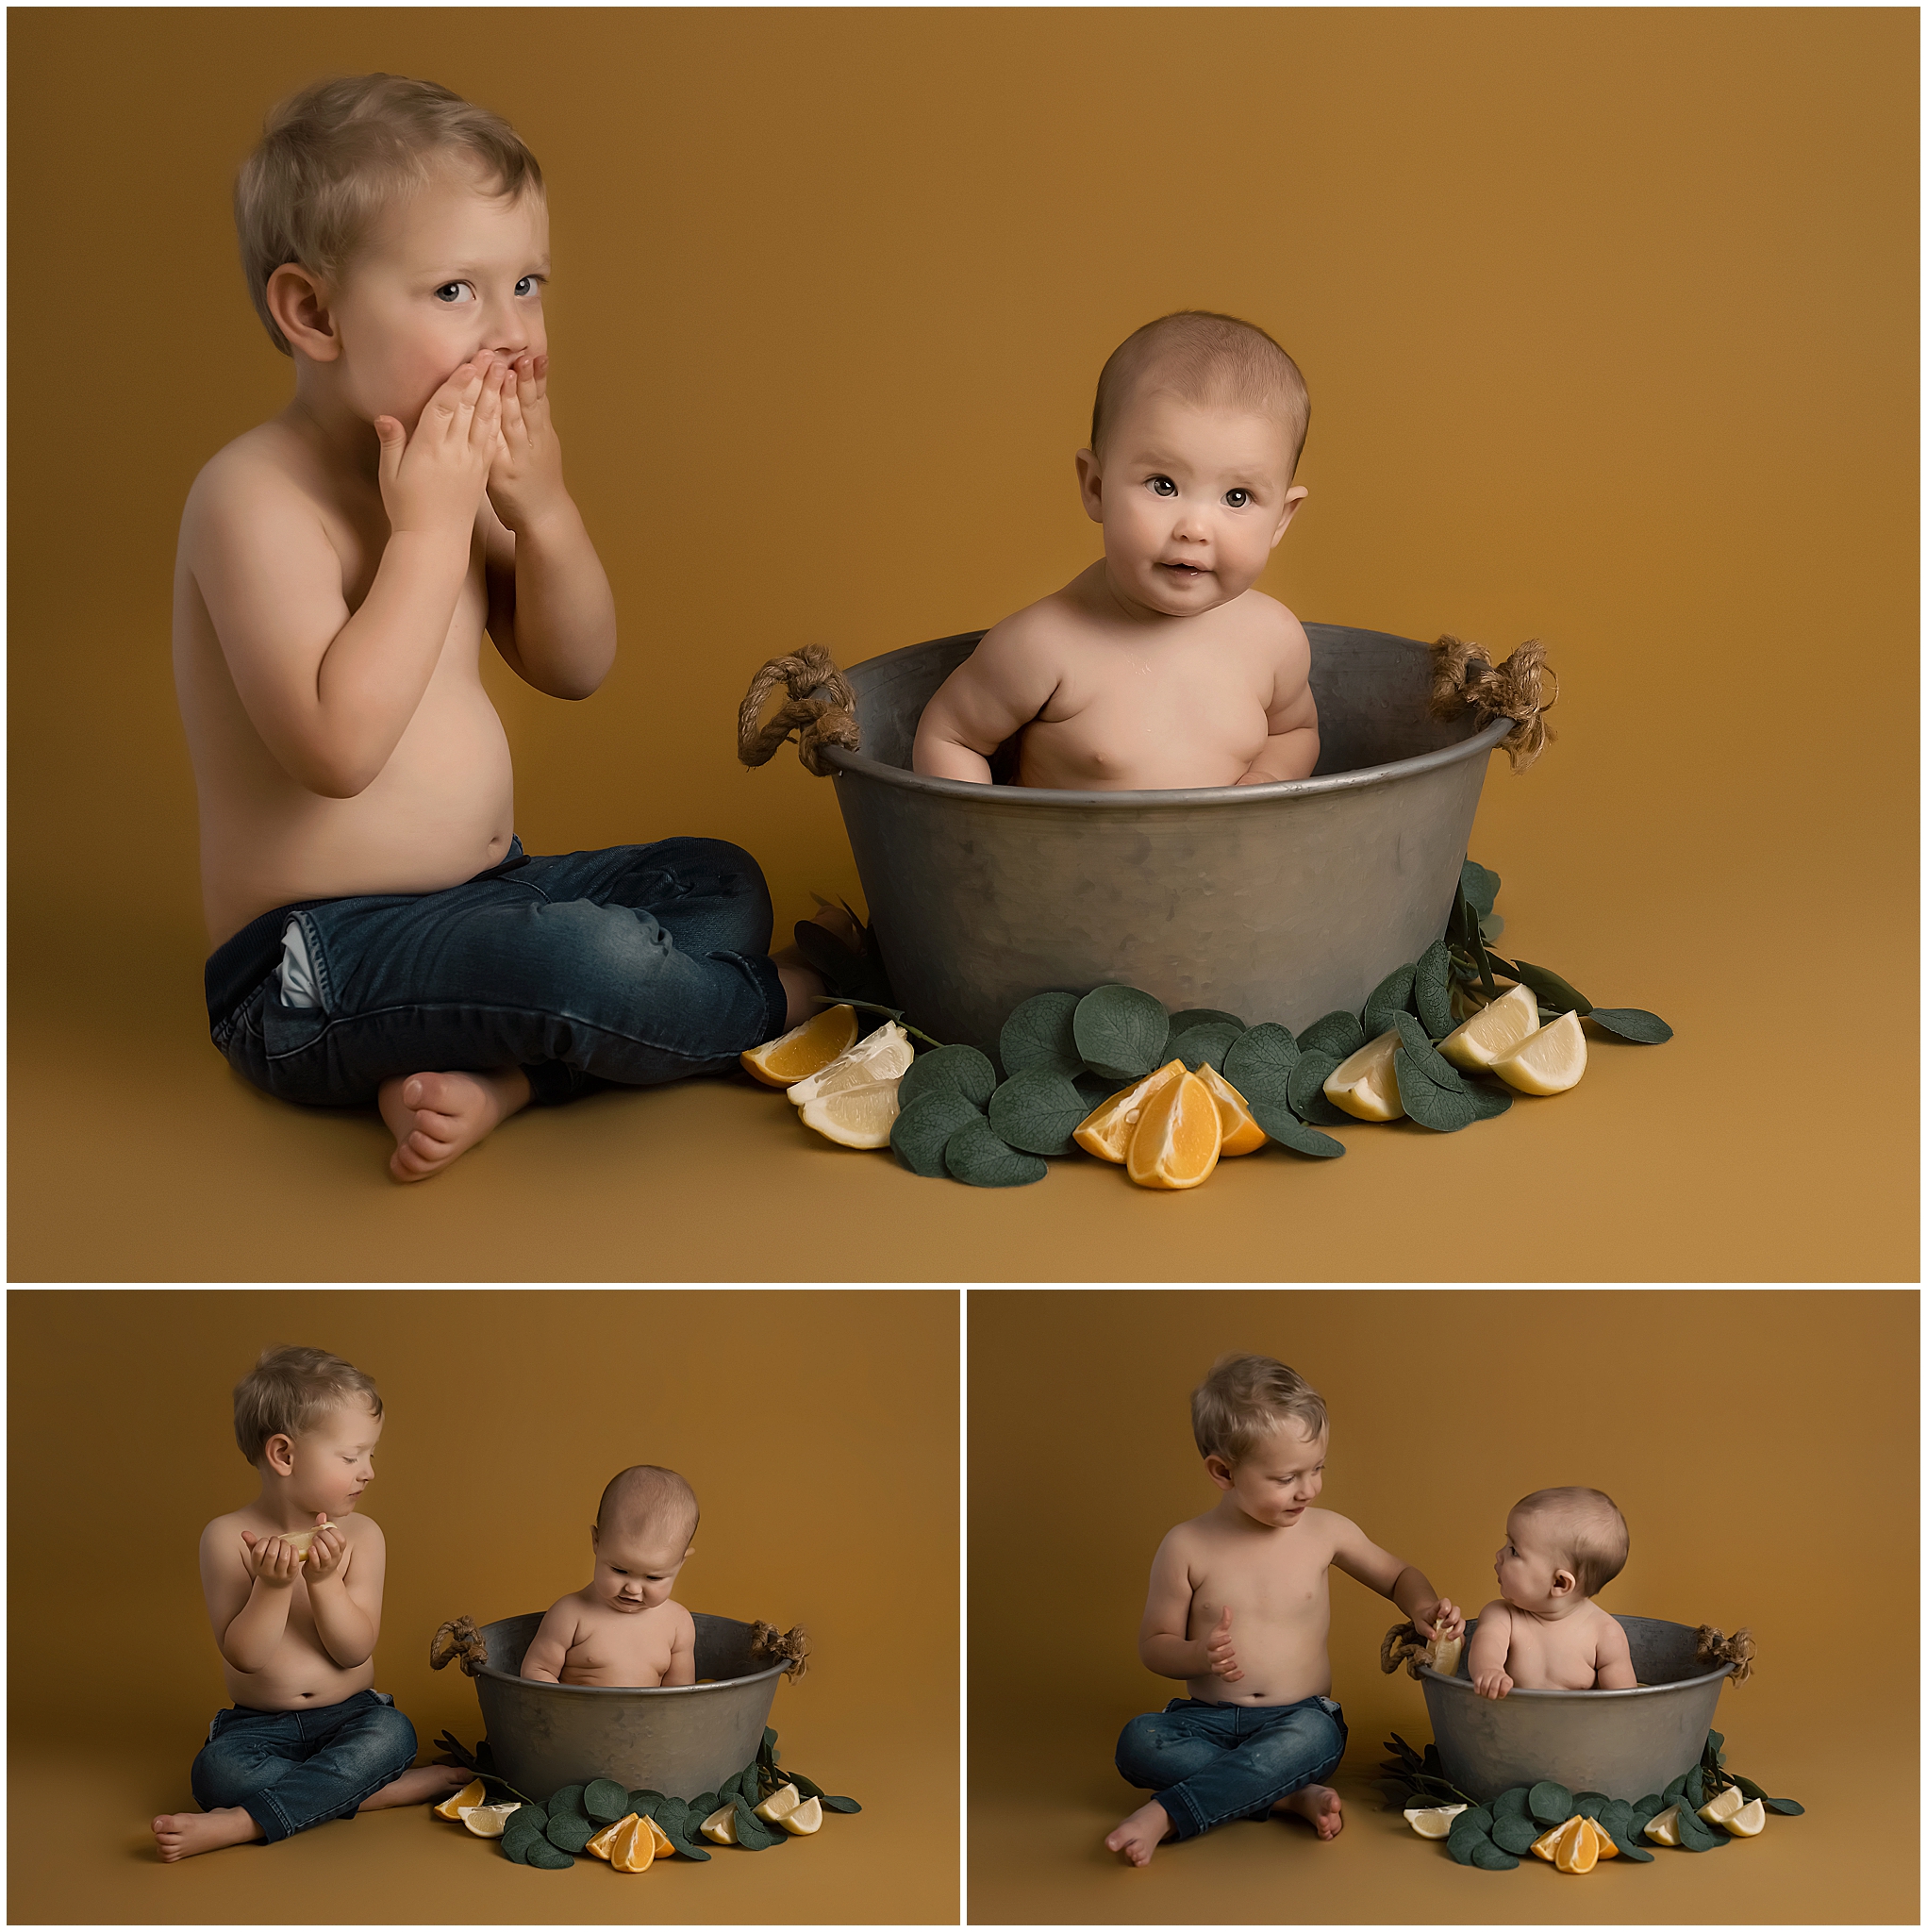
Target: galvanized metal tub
{"type": "Point", "coordinates": [1624, 1743]}
{"type": "Point", "coordinates": [681, 1741]}
{"type": "Point", "coordinates": [1273, 902]}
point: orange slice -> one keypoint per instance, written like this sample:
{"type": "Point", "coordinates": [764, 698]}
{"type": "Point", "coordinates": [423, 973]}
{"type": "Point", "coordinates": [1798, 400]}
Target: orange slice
{"type": "Point", "coordinates": [1579, 1848]}
{"type": "Point", "coordinates": [1242, 1135]}
{"type": "Point", "coordinates": [600, 1845]}
{"type": "Point", "coordinates": [1177, 1141]}
{"type": "Point", "coordinates": [1546, 1845]}
{"type": "Point", "coordinates": [466, 1799]}
{"type": "Point", "coordinates": [664, 1847]}
{"type": "Point", "coordinates": [804, 1050]}
{"type": "Point", "coordinates": [1107, 1130]}
{"type": "Point", "coordinates": [633, 1848]}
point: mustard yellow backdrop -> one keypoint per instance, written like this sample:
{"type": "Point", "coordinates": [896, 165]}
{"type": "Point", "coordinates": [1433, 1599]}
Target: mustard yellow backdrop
{"type": "Point", "coordinates": [1764, 1448]}
{"type": "Point", "coordinates": [1610, 323]}
{"type": "Point", "coordinates": [818, 1428]}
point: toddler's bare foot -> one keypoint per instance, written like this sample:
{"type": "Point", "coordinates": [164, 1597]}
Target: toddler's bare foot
{"type": "Point", "coordinates": [437, 1117]}
{"type": "Point", "coordinates": [1141, 1833]}
{"type": "Point", "coordinates": [181, 1834]}
{"type": "Point", "coordinates": [426, 1784]}
{"type": "Point", "coordinates": [1318, 1805]}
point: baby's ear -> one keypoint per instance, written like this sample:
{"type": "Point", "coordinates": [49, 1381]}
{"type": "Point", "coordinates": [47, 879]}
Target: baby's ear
{"type": "Point", "coordinates": [1091, 485]}
{"type": "Point", "coordinates": [1564, 1583]}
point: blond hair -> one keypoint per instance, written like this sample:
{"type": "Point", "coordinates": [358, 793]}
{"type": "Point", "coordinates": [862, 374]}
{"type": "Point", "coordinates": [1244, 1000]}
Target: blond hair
{"type": "Point", "coordinates": [1206, 358]}
{"type": "Point", "coordinates": [645, 1495]}
{"type": "Point", "coordinates": [332, 157]}
{"type": "Point", "coordinates": [1587, 1530]}
{"type": "Point", "coordinates": [1245, 1399]}
{"type": "Point", "coordinates": [289, 1391]}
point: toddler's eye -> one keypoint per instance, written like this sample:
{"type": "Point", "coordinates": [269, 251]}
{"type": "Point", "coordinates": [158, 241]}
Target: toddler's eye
{"type": "Point", "coordinates": [1238, 498]}
{"type": "Point", "coordinates": [528, 285]}
{"type": "Point", "coordinates": [1161, 486]}
{"type": "Point", "coordinates": [451, 292]}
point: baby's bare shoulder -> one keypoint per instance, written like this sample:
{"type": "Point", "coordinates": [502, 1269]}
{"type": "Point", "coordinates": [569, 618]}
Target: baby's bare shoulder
{"type": "Point", "coordinates": [1048, 627]}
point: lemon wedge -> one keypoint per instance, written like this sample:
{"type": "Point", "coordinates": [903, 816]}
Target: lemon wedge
{"type": "Point", "coordinates": [856, 1116]}
{"type": "Point", "coordinates": [1721, 1806]}
{"type": "Point", "coordinates": [486, 1820]}
{"type": "Point", "coordinates": [1365, 1085]}
{"type": "Point", "coordinates": [1747, 1822]}
{"type": "Point", "coordinates": [885, 1055]}
{"type": "Point", "coordinates": [466, 1799]}
{"type": "Point", "coordinates": [720, 1825]}
{"type": "Point", "coordinates": [804, 1050]}
{"type": "Point", "coordinates": [1494, 1031]}
{"type": "Point", "coordinates": [1433, 1820]}
{"type": "Point", "coordinates": [1551, 1060]}
{"type": "Point", "coordinates": [805, 1817]}
{"type": "Point", "coordinates": [1665, 1829]}
{"type": "Point", "coordinates": [779, 1804]}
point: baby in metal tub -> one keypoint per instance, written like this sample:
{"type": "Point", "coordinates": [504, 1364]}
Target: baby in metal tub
{"type": "Point", "coordinates": [622, 1628]}
{"type": "Point", "coordinates": [1239, 1606]}
{"type": "Point", "coordinates": [1544, 1632]}
{"type": "Point", "coordinates": [1159, 667]}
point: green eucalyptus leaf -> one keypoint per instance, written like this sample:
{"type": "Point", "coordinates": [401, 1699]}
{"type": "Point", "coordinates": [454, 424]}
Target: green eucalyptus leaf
{"type": "Point", "coordinates": [1392, 995]}
{"type": "Point", "coordinates": [1696, 1787]}
{"type": "Point", "coordinates": [643, 1802]}
{"type": "Point", "coordinates": [1787, 1807]}
{"type": "Point", "coordinates": [1459, 1843]}
{"type": "Point", "coordinates": [1259, 1063]}
{"type": "Point", "coordinates": [1203, 1045]}
{"type": "Point", "coordinates": [1338, 1034]}
{"type": "Point", "coordinates": [1491, 927]}
{"type": "Point", "coordinates": [1487, 1857]}
{"type": "Point", "coordinates": [570, 1831]}
{"type": "Point", "coordinates": [751, 1834]}
{"type": "Point", "coordinates": [1096, 1089]}
{"type": "Point", "coordinates": [979, 1157]}
{"type": "Point", "coordinates": [1632, 1023]}
{"type": "Point", "coordinates": [1551, 990]}
{"type": "Point", "coordinates": [545, 1857]}
{"type": "Point", "coordinates": [1588, 1804]}
{"type": "Point", "coordinates": [1120, 1031]}
{"type": "Point", "coordinates": [1489, 1098]}
{"type": "Point", "coordinates": [1514, 1831]}
{"type": "Point", "coordinates": [567, 1801]}
{"type": "Point", "coordinates": [1550, 1803]}
{"type": "Point", "coordinates": [1037, 1111]}
{"type": "Point", "coordinates": [1205, 1016]}
{"type": "Point", "coordinates": [1432, 989]}
{"type": "Point", "coordinates": [1284, 1126]}
{"type": "Point", "coordinates": [1426, 1058]}
{"type": "Point", "coordinates": [1431, 1105]}
{"type": "Point", "coordinates": [1513, 1801]}
{"type": "Point", "coordinates": [1038, 1034]}
{"type": "Point", "coordinates": [1615, 1816]}
{"type": "Point", "coordinates": [515, 1846]}
{"type": "Point", "coordinates": [606, 1799]}
{"type": "Point", "coordinates": [950, 1069]}
{"type": "Point", "coordinates": [844, 1805]}
{"type": "Point", "coordinates": [706, 1802]}
{"type": "Point", "coordinates": [1480, 886]}
{"type": "Point", "coordinates": [921, 1132]}
{"type": "Point", "coordinates": [1674, 1793]}
{"type": "Point", "coordinates": [1305, 1091]}
{"type": "Point", "coordinates": [1630, 1846]}
{"type": "Point", "coordinates": [1651, 1805]}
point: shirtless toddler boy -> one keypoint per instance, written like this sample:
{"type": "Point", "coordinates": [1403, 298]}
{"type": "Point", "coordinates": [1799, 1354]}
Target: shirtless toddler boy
{"type": "Point", "coordinates": [309, 1738]}
{"type": "Point", "coordinates": [1160, 666]}
{"type": "Point", "coordinates": [1240, 1607]}
{"type": "Point", "coordinates": [379, 935]}
{"type": "Point", "coordinates": [1544, 1632]}
{"type": "Point", "coordinates": [621, 1627]}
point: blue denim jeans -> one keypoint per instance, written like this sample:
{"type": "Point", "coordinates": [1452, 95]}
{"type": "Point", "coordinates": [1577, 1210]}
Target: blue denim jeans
{"type": "Point", "coordinates": [626, 967]}
{"type": "Point", "coordinates": [1210, 1762]}
{"type": "Point", "coordinates": [292, 1769]}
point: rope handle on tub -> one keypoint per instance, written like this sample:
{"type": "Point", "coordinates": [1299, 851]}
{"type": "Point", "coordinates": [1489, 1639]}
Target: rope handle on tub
{"type": "Point", "coordinates": [458, 1638]}
{"type": "Point", "coordinates": [816, 721]}
{"type": "Point", "coordinates": [1710, 1647]}
{"type": "Point", "coordinates": [793, 1644]}
{"type": "Point", "coordinates": [1464, 678]}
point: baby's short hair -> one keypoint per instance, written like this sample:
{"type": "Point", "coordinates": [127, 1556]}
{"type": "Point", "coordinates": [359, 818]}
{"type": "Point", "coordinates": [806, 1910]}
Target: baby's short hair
{"type": "Point", "coordinates": [332, 157]}
{"type": "Point", "coordinates": [1246, 1398]}
{"type": "Point", "coordinates": [1587, 1529]}
{"type": "Point", "coordinates": [1206, 357]}
{"type": "Point", "coordinates": [289, 1389]}
{"type": "Point", "coordinates": [648, 1493]}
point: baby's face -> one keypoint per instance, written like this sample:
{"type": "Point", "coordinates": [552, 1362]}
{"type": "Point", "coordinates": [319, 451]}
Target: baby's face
{"type": "Point", "coordinates": [1194, 499]}
{"type": "Point", "coordinates": [441, 276]}
{"type": "Point", "coordinates": [1526, 1563]}
{"type": "Point", "coordinates": [636, 1564]}
{"type": "Point", "coordinates": [334, 1461]}
{"type": "Point", "coordinates": [1279, 1480]}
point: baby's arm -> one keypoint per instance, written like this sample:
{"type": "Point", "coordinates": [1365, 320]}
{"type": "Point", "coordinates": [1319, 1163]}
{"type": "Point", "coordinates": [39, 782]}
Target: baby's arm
{"type": "Point", "coordinates": [550, 610]}
{"type": "Point", "coordinates": [1162, 1645]}
{"type": "Point", "coordinates": [330, 690]}
{"type": "Point", "coordinates": [344, 1591]}
{"type": "Point", "coordinates": [1290, 749]}
{"type": "Point", "coordinates": [1358, 1557]}
{"type": "Point", "coordinates": [682, 1657]}
{"type": "Point", "coordinates": [248, 1585]}
{"type": "Point", "coordinates": [995, 692]}
{"type": "Point", "coordinates": [1490, 1646]}
{"type": "Point", "coordinates": [1613, 1660]}
{"type": "Point", "coordinates": [549, 1652]}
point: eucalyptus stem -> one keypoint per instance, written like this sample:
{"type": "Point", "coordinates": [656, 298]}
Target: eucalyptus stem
{"type": "Point", "coordinates": [896, 1013]}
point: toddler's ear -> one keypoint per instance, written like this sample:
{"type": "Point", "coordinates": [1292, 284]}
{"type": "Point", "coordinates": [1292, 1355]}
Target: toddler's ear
{"type": "Point", "coordinates": [299, 305]}
{"type": "Point", "coordinates": [1219, 1470]}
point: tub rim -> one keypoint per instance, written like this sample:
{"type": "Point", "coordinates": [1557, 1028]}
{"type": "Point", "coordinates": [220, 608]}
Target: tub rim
{"type": "Point", "coordinates": [1588, 1697]}
{"type": "Point", "coordinates": [1483, 742]}
{"type": "Point", "coordinates": [624, 1690]}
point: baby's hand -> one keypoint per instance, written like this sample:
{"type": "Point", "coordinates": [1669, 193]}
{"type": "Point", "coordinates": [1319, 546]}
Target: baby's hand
{"type": "Point", "coordinates": [1493, 1683]}
{"type": "Point", "coordinates": [325, 1552]}
{"type": "Point", "coordinates": [433, 480]}
{"type": "Point", "coordinates": [270, 1559]}
{"type": "Point", "coordinates": [1219, 1650]}
{"type": "Point", "coordinates": [526, 479]}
